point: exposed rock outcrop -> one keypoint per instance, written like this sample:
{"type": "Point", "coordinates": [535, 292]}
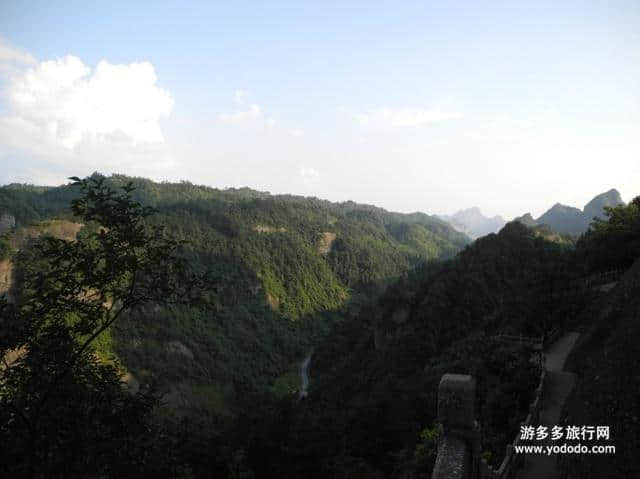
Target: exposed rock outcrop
{"type": "Point", "coordinates": [7, 223]}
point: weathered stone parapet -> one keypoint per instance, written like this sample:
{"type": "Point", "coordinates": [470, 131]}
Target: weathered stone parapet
{"type": "Point", "coordinates": [453, 461]}
{"type": "Point", "coordinates": [459, 448]}
{"type": "Point", "coordinates": [456, 401]}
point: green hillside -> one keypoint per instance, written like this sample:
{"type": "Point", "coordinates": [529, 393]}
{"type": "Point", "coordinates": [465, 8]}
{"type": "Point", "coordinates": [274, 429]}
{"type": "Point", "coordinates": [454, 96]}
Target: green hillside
{"type": "Point", "coordinates": [287, 268]}
{"type": "Point", "coordinates": [381, 299]}
{"type": "Point", "coordinates": [375, 377]}
{"type": "Point", "coordinates": [374, 380]}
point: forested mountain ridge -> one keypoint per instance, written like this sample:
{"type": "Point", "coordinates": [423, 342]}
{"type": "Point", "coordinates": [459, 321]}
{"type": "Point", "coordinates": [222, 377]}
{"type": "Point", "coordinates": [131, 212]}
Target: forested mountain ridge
{"type": "Point", "coordinates": [366, 243]}
{"type": "Point", "coordinates": [374, 383]}
{"type": "Point", "coordinates": [277, 259]}
{"type": "Point", "coordinates": [374, 380]}
{"type": "Point", "coordinates": [226, 362]}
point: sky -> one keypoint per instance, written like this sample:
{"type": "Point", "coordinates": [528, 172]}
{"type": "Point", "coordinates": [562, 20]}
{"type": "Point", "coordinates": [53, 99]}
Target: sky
{"type": "Point", "coordinates": [510, 106]}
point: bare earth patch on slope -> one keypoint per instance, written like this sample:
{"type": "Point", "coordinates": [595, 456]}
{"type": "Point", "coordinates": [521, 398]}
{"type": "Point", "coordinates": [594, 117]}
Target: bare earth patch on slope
{"type": "Point", "coordinates": [326, 241]}
{"type": "Point", "coordinates": [269, 229]}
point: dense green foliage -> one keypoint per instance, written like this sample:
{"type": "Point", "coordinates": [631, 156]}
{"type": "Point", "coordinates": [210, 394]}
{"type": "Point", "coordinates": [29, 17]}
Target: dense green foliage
{"type": "Point", "coordinates": [380, 298]}
{"type": "Point", "coordinates": [214, 361]}
{"type": "Point", "coordinates": [277, 238]}
{"type": "Point", "coordinates": [612, 243]}
{"type": "Point", "coordinates": [607, 358]}
{"type": "Point", "coordinates": [608, 363]}
{"type": "Point", "coordinates": [374, 380]}
{"type": "Point", "coordinates": [28, 203]}
{"type": "Point", "coordinates": [64, 412]}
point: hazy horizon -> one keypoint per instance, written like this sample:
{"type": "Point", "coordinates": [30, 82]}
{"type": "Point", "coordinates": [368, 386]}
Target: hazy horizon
{"type": "Point", "coordinates": [432, 213]}
{"type": "Point", "coordinates": [415, 107]}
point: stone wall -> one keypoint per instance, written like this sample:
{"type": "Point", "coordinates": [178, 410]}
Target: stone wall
{"type": "Point", "coordinates": [459, 450]}
{"type": "Point", "coordinates": [459, 447]}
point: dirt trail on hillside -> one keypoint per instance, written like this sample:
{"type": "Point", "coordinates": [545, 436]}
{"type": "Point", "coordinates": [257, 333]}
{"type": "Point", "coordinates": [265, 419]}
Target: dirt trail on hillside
{"type": "Point", "coordinates": [558, 386]}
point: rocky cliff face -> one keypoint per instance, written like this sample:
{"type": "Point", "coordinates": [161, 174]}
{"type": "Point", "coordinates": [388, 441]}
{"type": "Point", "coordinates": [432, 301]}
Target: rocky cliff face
{"type": "Point", "coordinates": [7, 223]}
{"type": "Point", "coordinates": [595, 207]}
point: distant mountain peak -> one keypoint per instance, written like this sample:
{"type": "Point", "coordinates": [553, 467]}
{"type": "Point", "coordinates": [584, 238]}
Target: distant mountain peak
{"type": "Point", "coordinates": [561, 207]}
{"type": "Point", "coordinates": [595, 207]}
{"type": "Point", "coordinates": [472, 222]}
{"type": "Point", "coordinates": [568, 219]}
{"type": "Point", "coordinates": [473, 209]}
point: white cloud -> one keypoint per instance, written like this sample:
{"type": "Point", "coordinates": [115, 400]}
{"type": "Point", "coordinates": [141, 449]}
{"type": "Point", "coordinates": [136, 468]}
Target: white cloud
{"type": "Point", "coordinates": [404, 117]}
{"type": "Point", "coordinates": [70, 101]}
{"type": "Point", "coordinates": [63, 117]}
{"type": "Point", "coordinates": [249, 114]}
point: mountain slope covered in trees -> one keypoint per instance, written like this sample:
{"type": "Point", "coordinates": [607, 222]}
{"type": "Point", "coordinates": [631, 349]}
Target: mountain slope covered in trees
{"type": "Point", "coordinates": [382, 298]}
{"type": "Point", "coordinates": [374, 380]}
{"type": "Point", "coordinates": [287, 268]}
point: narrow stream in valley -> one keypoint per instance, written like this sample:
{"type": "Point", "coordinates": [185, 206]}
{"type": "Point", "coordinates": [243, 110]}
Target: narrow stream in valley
{"type": "Point", "coordinates": [304, 376]}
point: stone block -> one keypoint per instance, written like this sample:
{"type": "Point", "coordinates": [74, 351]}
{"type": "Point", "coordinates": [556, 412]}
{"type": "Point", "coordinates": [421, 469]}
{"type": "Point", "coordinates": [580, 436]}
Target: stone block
{"type": "Point", "coordinates": [456, 401]}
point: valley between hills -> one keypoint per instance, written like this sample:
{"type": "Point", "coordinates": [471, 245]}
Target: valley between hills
{"type": "Point", "coordinates": [308, 337]}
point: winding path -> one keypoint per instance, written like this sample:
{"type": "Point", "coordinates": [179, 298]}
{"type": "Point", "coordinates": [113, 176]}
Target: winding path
{"type": "Point", "coordinates": [558, 386]}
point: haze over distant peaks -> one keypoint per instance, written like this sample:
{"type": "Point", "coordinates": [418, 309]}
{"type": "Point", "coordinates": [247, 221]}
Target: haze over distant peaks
{"type": "Point", "coordinates": [473, 223]}
{"type": "Point", "coordinates": [568, 219]}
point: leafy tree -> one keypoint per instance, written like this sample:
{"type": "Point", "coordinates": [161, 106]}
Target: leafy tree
{"type": "Point", "coordinates": [613, 242]}
{"type": "Point", "coordinates": [64, 410]}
